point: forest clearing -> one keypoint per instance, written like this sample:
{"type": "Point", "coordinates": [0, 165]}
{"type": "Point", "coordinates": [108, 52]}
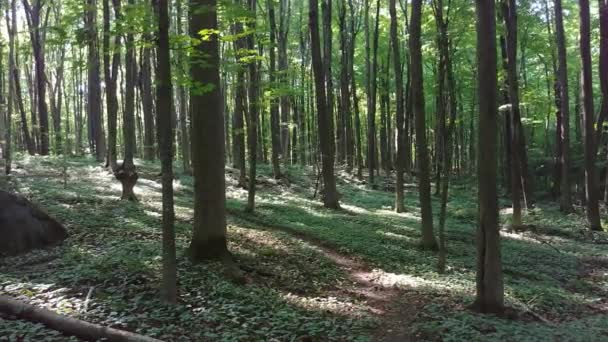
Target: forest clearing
{"type": "Point", "coordinates": [318, 170]}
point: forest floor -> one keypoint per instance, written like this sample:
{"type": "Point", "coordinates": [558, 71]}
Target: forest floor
{"type": "Point", "coordinates": [312, 274]}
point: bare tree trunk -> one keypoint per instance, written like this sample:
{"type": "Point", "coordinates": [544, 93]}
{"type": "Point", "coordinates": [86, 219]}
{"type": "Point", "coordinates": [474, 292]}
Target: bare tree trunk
{"type": "Point", "coordinates": [147, 103]}
{"type": "Point", "coordinates": [400, 110]}
{"type": "Point", "coordinates": [33, 19]}
{"type": "Point", "coordinates": [163, 102]}
{"type": "Point", "coordinates": [589, 133]}
{"type": "Point", "coordinates": [209, 231]}
{"type": "Point", "coordinates": [238, 127]}
{"type": "Point", "coordinates": [326, 141]}
{"type": "Point", "coordinates": [517, 189]}
{"type": "Point", "coordinates": [490, 289]}
{"type": "Point", "coordinates": [424, 184]}
{"type": "Point", "coordinates": [565, 199]}
{"type": "Point", "coordinates": [274, 104]}
{"type": "Point", "coordinates": [126, 172]}
{"type": "Point", "coordinates": [110, 76]}
{"type": "Point", "coordinates": [285, 99]}
{"type": "Point", "coordinates": [252, 124]}
{"type": "Point", "coordinates": [94, 103]}
{"type": "Point", "coordinates": [68, 325]}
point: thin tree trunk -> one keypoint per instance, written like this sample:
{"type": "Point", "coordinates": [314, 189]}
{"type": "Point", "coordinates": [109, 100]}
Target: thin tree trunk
{"type": "Point", "coordinates": [33, 19]}
{"type": "Point", "coordinates": [565, 199]}
{"type": "Point", "coordinates": [326, 141]}
{"type": "Point", "coordinates": [163, 102]}
{"type": "Point", "coordinates": [589, 133]}
{"type": "Point", "coordinates": [510, 18]}
{"type": "Point", "coordinates": [274, 104]}
{"type": "Point", "coordinates": [126, 172]}
{"type": "Point", "coordinates": [400, 112]}
{"type": "Point", "coordinates": [94, 103]}
{"type": "Point", "coordinates": [183, 105]}
{"type": "Point", "coordinates": [424, 184]}
{"type": "Point", "coordinates": [490, 289]}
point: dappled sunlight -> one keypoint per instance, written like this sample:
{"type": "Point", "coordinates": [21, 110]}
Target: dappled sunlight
{"type": "Point", "coordinates": [397, 236]}
{"type": "Point", "coordinates": [328, 304]}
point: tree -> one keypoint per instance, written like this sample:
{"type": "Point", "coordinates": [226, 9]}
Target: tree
{"type": "Point", "coordinates": [126, 172]}
{"type": "Point", "coordinates": [274, 103]}
{"type": "Point", "coordinates": [424, 183]}
{"type": "Point", "coordinates": [145, 83]}
{"type": "Point", "coordinates": [400, 110]}
{"type": "Point", "coordinates": [589, 135]}
{"type": "Point", "coordinates": [565, 200]}
{"type": "Point", "coordinates": [110, 77]}
{"type": "Point", "coordinates": [604, 67]}
{"type": "Point", "coordinates": [183, 102]}
{"type": "Point", "coordinates": [94, 90]}
{"type": "Point", "coordinates": [326, 139]}
{"type": "Point", "coordinates": [510, 18]}
{"type": "Point", "coordinates": [490, 291]}
{"type": "Point", "coordinates": [11, 24]}
{"type": "Point", "coordinates": [164, 95]}
{"type": "Point", "coordinates": [252, 124]}
{"type": "Point", "coordinates": [33, 13]}
{"type": "Point", "coordinates": [209, 232]}
{"type": "Point", "coordinates": [240, 96]}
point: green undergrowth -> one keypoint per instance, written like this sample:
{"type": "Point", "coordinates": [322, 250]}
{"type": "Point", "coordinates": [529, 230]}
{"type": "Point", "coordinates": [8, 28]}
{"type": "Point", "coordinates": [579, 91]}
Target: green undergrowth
{"type": "Point", "coordinates": [555, 276]}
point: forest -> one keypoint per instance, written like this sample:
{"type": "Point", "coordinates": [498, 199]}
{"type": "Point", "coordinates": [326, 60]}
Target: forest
{"type": "Point", "coordinates": [314, 170]}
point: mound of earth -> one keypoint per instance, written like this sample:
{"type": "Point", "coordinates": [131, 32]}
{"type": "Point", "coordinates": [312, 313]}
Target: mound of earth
{"type": "Point", "coordinates": [24, 226]}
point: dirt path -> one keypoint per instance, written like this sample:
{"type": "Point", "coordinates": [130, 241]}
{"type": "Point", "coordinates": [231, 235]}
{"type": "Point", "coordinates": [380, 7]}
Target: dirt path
{"type": "Point", "coordinates": [397, 308]}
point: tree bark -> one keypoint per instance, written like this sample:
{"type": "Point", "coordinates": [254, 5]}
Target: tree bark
{"type": "Point", "coordinates": [400, 108]}
{"type": "Point", "coordinates": [164, 96]}
{"type": "Point", "coordinates": [326, 140]}
{"type": "Point", "coordinates": [565, 197]}
{"type": "Point", "coordinates": [510, 18]}
{"type": "Point", "coordinates": [274, 104]}
{"type": "Point", "coordinates": [126, 172]}
{"type": "Point", "coordinates": [209, 231]}
{"type": "Point", "coordinates": [252, 124]}
{"type": "Point", "coordinates": [33, 13]}
{"type": "Point", "coordinates": [94, 99]}
{"type": "Point", "coordinates": [589, 133]}
{"type": "Point", "coordinates": [424, 184]}
{"type": "Point", "coordinates": [68, 325]}
{"type": "Point", "coordinates": [490, 289]}
{"type": "Point", "coordinates": [239, 108]}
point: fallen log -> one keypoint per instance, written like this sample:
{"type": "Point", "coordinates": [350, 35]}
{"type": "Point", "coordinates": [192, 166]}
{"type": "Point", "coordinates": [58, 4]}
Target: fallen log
{"type": "Point", "coordinates": [68, 325]}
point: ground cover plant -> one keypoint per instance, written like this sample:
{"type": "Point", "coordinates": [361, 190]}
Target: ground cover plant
{"type": "Point", "coordinates": [296, 286]}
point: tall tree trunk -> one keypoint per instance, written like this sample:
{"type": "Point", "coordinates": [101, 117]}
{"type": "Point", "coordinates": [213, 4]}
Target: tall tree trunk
{"type": "Point", "coordinates": [565, 199]}
{"type": "Point", "coordinates": [285, 99]}
{"type": "Point", "coordinates": [163, 109]}
{"type": "Point", "coordinates": [147, 103]}
{"type": "Point", "coordinates": [16, 80]}
{"type": "Point", "coordinates": [274, 104]}
{"type": "Point", "coordinates": [8, 118]}
{"type": "Point", "coordinates": [110, 76]}
{"type": "Point", "coordinates": [400, 112]}
{"type": "Point", "coordinates": [604, 66]}
{"type": "Point", "coordinates": [424, 184]}
{"type": "Point", "coordinates": [326, 140]}
{"type": "Point", "coordinates": [239, 108]}
{"type": "Point", "coordinates": [343, 133]}
{"type": "Point", "coordinates": [183, 101]}
{"type": "Point", "coordinates": [358, 142]}
{"type": "Point", "coordinates": [94, 99]}
{"type": "Point", "coordinates": [326, 12]}
{"type": "Point", "coordinates": [209, 231]}
{"type": "Point", "coordinates": [33, 14]}
{"type": "Point", "coordinates": [490, 289]}
{"type": "Point", "coordinates": [371, 68]}
{"type": "Point", "coordinates": [126, 173]}
{"type": "Point", "coordinates": [510, 18]}
{"type": "Point", "coordinates": [589, 135]}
